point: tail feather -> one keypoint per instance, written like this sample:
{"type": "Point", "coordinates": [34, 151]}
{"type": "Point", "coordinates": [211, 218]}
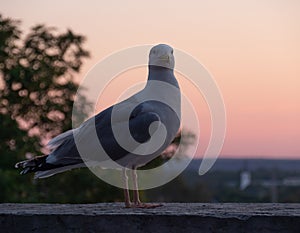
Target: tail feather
{"type": "Point", "coordinates": [51, 172]}
{"type": "Point", "coordinates": [43, 169]}
{"type": "Point", "coordinates": [32, 165]}
{"type": "Point", "coordinates": [59, 139]}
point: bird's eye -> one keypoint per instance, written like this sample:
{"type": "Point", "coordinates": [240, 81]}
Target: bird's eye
{"type": "Point", "coordinates": [172, 51]}
{"type": "Point", "coordinates": [153, 51]}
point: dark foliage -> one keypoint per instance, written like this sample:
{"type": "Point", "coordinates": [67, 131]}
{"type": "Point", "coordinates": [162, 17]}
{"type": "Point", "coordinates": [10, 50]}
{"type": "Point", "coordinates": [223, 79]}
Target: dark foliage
{"type": "Point", "coordinates": [37, 90]}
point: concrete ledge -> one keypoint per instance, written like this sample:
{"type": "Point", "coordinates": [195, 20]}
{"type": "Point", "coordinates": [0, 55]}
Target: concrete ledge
{"type": "Point", "coordinates": [172, 217]}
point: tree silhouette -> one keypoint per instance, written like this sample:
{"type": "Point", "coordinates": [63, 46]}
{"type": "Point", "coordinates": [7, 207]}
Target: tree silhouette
{"type": "Point", "coordinates": [37, 88]}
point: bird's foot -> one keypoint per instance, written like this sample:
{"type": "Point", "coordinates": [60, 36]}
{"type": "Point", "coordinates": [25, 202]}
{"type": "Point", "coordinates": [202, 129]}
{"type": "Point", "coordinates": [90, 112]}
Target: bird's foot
{"type": "Point", "coordinates": [128, 205]}
{"type": "Point", "coordinates": [145, 205]}
{"type": "Point", "coordinates": [141, 205]}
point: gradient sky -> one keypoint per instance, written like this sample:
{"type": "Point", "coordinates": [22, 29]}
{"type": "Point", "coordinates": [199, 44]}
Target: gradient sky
{"type": "Point", "coordinates": [250, 47]}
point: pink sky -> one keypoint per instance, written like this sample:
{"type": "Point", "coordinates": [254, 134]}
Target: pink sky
{"type": "Point", "coordinates": [250, 47]}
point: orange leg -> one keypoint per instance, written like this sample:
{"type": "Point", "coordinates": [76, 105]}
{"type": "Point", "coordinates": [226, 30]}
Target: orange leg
{"type": "Point", "coordinates": [136, 200]}
{"type": "Point", "coordinates": [126, 190]}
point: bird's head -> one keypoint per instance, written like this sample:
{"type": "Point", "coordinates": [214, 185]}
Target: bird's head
{"type": "Point", "coordinates": [162, 55]}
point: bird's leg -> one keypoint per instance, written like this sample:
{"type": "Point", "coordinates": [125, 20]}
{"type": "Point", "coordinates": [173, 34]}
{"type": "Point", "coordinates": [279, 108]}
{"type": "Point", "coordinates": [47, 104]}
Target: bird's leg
{"type": "Point", "coordinates": [136, 200]}
{"type": "Point", "coordinates": [126, 190]}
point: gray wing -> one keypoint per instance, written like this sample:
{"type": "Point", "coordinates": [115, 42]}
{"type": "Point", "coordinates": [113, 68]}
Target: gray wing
{"type": "Point", "coordinates": [139, 121]}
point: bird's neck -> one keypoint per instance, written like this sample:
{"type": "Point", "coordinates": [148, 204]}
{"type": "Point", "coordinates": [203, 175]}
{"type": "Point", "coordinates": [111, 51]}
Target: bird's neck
{"type": "Point", "coordinates": [163, 74]}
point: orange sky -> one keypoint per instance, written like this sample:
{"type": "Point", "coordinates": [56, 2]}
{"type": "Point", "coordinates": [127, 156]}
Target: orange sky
{"type": "Point", "coordinates": [251, 47]}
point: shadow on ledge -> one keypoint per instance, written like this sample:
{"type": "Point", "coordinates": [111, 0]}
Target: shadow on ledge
{"type": "Point", "coordinates": [172, 217]}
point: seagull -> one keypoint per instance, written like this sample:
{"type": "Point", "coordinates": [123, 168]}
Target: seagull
{"type": "Point", "coordinates": [156, 106]}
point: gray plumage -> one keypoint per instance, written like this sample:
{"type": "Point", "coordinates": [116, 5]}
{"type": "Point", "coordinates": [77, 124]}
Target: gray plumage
{"type": "Point", "coordinates": [64, 152]}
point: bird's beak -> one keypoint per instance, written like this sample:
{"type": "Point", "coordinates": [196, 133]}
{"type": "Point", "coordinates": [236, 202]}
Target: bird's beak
{"type": "Point", "coordinates": [165, 58]}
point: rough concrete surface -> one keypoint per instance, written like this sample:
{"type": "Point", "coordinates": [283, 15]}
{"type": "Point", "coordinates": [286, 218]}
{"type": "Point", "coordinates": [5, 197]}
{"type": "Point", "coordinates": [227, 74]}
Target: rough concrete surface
{"type": "Point", "coordinates": [171, 217]}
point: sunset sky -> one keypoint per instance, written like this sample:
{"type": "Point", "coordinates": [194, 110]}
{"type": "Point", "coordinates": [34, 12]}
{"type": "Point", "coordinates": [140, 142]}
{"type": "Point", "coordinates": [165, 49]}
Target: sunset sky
{"type": "Point", "coordinates": [252, 49]}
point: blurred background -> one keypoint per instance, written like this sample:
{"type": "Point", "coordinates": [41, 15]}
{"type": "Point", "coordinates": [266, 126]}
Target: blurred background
{"type": "Point", "coordinates": [251, 48]}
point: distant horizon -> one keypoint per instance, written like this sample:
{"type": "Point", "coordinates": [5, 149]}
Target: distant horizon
{"type": "Point", "coordinates": [253, 157]}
